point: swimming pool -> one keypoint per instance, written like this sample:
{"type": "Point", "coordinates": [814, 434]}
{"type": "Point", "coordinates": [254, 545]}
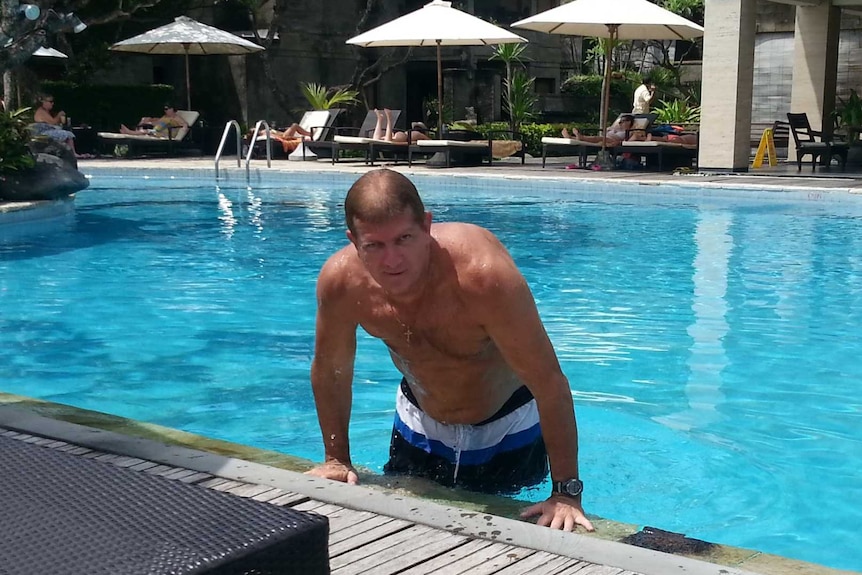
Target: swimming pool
{"type": "Point", "coordinates": [711, 338]}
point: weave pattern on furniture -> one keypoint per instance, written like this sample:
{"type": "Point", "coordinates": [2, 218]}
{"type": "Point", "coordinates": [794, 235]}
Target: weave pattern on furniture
{"type": "Point", "coordinates": [65, 514]}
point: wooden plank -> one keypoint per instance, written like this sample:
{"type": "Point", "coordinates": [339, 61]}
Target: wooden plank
{"type": "Point", "coordinates": [432, 547]}
{"type": "Point", "coordinates": [195, 477]}
{"type": "Point", "coordinates": [339, 530]}
{"type": "Point", "coordinates": [475, 562]}
{"type": "Point", "coordinates": [249, 490]}
{"type": "Point", "coordinates": [410, 550]}
{"type": "Point", "coordinates": [539, 563]}
{"type": "Point", "coordinates": [289, 499]}
{"type": "Point", "coordinates": [317, 506]}
{"type": "Point", "coordinates": [583, 568]}
{"type": "Point", "coordinates": [412, 533]}
{"type": "Point", "coordinates": [347, 520]}
{"type": "Point", "coordinates": [433, 565]}
{"type": "Point", "coordinates": [372, 534]}
{"type": "Point", "coordinates": [495, 564]}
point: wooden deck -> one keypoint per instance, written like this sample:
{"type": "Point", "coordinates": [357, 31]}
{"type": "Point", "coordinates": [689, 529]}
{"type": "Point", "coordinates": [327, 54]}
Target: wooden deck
{"type": "Point", "coordinates": [364, 541]}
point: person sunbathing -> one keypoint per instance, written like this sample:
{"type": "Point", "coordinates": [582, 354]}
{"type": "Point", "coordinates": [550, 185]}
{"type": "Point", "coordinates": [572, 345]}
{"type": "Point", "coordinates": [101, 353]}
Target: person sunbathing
{"type": "Point", "coordinates": [389, 135]}
{"type": "Point", "coordinates": [688, 139]}
{"type": "Point", "coordinates": [619, 132]}
{"type": "Point", "coordinates": [163, 127]}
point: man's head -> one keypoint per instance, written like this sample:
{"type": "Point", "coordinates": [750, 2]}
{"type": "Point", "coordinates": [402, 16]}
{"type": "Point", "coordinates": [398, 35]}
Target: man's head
{"type": "Point", "coordinates": [378, 196]}
{"type": "Point", "coordinates": [390, 229]}
{"type": "Point", "coordinates": [170, 110]}
{"type": "Point", "coordinates": [46, 101]}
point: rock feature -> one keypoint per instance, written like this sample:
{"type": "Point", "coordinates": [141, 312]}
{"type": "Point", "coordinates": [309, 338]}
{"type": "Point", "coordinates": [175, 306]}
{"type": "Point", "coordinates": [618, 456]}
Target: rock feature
{"type": "Point", "coordinates": [54, 176]}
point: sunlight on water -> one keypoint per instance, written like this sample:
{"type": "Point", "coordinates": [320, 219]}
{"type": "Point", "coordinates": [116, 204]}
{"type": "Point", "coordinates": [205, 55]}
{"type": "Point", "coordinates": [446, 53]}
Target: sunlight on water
{"type": "Point", "coordinates": [712, 346]}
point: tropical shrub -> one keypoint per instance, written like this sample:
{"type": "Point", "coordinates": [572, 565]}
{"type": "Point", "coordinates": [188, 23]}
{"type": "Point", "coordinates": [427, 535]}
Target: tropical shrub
{"type": "Point", "coordinates": [677, 112]}
{"type": "Point", "coordinates": [520, 99]}
{"type": "Point", "coordinates": [324, 98]}
{"type": "Point", "coordinates": [848, 114]}
{"type": "Point", "coordinates": [14, 153]}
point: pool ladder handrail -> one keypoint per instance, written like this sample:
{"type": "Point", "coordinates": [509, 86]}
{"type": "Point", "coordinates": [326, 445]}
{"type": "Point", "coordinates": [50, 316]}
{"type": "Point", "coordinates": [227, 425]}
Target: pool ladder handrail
{"type": "Point", "coordinates": [251, 146]}
{"type": "Point", "coordinates": [227, 127]}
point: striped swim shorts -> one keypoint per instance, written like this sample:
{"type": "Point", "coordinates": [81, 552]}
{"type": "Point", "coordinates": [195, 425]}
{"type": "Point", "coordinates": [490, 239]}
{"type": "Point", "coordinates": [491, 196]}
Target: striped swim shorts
{"type": "Point", "coordinates": [502, 454]}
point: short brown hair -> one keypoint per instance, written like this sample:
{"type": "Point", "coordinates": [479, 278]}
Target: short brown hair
{"type": "Point", "coordinates": [380, 195]}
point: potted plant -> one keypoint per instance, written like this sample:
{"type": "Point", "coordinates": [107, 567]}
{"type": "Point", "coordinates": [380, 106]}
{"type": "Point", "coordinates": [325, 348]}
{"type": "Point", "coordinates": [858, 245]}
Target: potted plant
{"type": "Point", "coordinates": [325, 98]}
{"type": "Point", "coordinates": [848, 119]}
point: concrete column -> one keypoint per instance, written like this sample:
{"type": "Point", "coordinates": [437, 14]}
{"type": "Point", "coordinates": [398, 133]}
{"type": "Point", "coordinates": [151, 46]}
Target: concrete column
{"type": "Point", "coordinates": [728, 77]}
{"type": "Point", "coordinates": [815, 65]}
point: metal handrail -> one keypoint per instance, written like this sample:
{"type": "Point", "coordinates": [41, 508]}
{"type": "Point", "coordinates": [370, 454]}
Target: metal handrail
{"type": "Point", "coordinates": [227, 128]}
{"type": "Point", "coordinates": [251, 146]}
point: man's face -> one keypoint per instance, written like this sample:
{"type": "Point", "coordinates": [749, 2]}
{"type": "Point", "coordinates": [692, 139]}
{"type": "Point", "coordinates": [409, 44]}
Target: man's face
{"type": "Point", "coordinates": [169, 111]}
{"type": "Point", "coordinates": [396, 252]}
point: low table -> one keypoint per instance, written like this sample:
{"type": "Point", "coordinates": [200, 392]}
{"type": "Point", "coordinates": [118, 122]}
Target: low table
{"type": "Point", "coordinates": [66, 514]}
{"type": "Point", "coordinates": [86, 141]}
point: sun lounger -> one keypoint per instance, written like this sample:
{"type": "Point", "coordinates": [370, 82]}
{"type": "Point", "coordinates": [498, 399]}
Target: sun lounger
{"type": "Point", "coordinates": [662, 155]}
{"type": "Point", "coordinates": [469, 150]}
{"type": "Point", "coordinates": [584, 149]}
{"type": "Point", "coordinates": [318, 122]}
{"type": "Point", "coordinates": [573, 146]}
{"type": "Point", "coordinates": [360, 139]}
{"type": "Point", "coordinates": [175, 139]}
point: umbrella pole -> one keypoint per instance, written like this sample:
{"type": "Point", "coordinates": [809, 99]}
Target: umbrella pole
{"type": "Point", "coordinates": [188, 83]}
{"type": "Point", "coordinates": [439, 93]}
{"type": "Point", "coordinates": [606, 86]}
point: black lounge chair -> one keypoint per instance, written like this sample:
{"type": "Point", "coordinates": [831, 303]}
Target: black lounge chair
{"type": "Point", "coordinates": [813, 143]}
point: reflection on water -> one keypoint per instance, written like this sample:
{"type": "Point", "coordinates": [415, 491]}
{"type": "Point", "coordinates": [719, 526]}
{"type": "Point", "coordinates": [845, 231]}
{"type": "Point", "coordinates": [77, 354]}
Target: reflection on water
{"type": "Point", "coordinates": [708, 356]}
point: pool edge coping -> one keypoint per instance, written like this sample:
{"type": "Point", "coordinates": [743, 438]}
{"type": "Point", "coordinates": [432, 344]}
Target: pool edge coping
{"type": "Point", "coordinates": [385, 502]}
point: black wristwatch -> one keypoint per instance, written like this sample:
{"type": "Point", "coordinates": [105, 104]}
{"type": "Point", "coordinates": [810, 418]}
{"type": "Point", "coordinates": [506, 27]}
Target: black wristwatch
{"type": "Point", "coordinates": [569, 487]}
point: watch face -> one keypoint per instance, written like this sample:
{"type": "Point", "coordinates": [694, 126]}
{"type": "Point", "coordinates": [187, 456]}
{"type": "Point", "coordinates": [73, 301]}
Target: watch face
{"type": "Point", "coordinates": [573, 487]}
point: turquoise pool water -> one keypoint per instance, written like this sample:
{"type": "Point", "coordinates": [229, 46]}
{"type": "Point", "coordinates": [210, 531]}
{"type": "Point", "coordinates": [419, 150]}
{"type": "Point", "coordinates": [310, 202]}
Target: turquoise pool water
{"type": "Point", "coordinates": [711, 338]}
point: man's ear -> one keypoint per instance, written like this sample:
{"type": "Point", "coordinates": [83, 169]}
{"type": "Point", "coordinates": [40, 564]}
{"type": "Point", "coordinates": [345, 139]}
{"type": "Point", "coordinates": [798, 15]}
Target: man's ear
{"type": "Point", "coordinates": [351, 238]}
{"type": "Point", "coordinates": [427, 221]}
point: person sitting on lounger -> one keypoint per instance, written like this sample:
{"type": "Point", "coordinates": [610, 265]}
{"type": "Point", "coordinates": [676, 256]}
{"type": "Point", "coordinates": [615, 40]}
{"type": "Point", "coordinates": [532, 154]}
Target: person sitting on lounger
{"type": "Point", "coordinates": [389, 135]}
{"type": "Point", "coordinates": [616, 134]}
{"type": "Point", "coordinates": [689, 139]}
{"type": "Point", "coordinates": [157, 127]}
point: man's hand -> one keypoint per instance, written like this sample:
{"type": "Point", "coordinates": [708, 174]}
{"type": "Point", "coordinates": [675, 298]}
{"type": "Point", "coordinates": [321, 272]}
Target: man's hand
{"type": "Point", "coordinates": [336, 471]}
{"type": "Point", "coordinates": [559, 512]}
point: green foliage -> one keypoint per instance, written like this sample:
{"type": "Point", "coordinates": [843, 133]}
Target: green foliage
{"type": "Point", "coordinates": [848, 114]}
{"type": "Point", "coordinates": [324, 98]}
{"type": "Point", "coordinates": [584, 91]}
{"type": "Point", "coordinates": [509, 53]}
{"type": "Point", "coordinates": [14, 153]}
{"type": "Point", "coordinates": [677, 112]}
{"type": "Point", "coordinates": [520, 98]}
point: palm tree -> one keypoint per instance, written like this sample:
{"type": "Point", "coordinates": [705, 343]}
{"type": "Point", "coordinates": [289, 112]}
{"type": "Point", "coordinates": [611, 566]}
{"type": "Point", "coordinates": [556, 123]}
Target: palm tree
{"type": "Point", "coordinates": [509, 53]}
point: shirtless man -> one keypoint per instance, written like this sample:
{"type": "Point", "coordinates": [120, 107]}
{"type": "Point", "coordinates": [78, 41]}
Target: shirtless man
{"type": "Point", "coordinates": [480, 374]}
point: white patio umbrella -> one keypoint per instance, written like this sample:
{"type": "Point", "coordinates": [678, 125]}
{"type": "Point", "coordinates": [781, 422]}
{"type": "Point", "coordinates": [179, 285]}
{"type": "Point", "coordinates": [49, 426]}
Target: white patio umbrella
{"type": "Point", "coordinates": [616, 20]}
{"type": "Point", "coordinates": [189, 37]}
{"type": "Point", "coordinates": [436, 24]}
{"type": "Point", "coordinates": [45, 52]}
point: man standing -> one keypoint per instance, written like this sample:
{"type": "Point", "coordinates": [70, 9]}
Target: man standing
{"type": "Point", "coordinates": [644, 95]}
{"type": "Point", "coordinates": [483, 403]}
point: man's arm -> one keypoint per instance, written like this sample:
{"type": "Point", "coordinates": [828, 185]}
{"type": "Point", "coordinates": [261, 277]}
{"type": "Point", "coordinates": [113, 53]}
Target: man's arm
{"type": "Point", "coordinates": [513, 323]}
{"type": "Point", "coordinates": [332, 375]}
